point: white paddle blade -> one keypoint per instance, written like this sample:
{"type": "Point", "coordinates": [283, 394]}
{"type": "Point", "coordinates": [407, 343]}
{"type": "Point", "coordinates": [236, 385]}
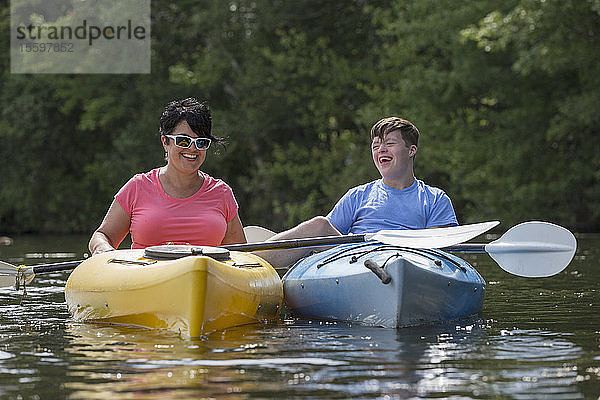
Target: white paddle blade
{"type": "Point", "coordinates": [432, 238]}
{"type": "Point", "coordinates": [8, 274]}
{"type": "Point", "coordinates": [257, 234]}
{"type": "Point", "coordinates": [534, 249]}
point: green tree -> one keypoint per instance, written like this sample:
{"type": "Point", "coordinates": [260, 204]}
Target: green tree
{"type": "Point", "coordinates": [548, 117]}
{"type": "Point", "coordinates": [504, 103]}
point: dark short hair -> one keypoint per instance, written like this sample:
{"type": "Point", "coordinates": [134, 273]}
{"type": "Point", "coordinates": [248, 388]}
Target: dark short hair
{"type": "Point", "coordinates": [195, 113]}
{"type": "Point", "coordinates": [409, 132]}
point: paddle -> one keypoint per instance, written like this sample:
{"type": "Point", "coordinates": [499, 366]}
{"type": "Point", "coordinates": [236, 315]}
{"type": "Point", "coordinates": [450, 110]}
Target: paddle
{"type": "Point", "coordinates": [531, 249]}
{"type": "Point", "coordinates": [432, 238]}
{"type": "Point", "coordinates": [255, 234]}
{"type": "Point", "coordinates": [419, 238]}
{"type": "Point", "coordinates": [9, 274]}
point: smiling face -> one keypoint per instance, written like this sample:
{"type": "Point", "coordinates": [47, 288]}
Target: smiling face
{"type": "Point", "coordinates": [184, 160]}
{"type": "Point", "coordinates": [394, 159]}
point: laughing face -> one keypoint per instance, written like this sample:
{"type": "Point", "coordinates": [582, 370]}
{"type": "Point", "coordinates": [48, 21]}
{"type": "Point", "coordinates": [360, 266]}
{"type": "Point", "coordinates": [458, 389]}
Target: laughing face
{"type": "Point", "coordinates": [394, 159]}
{"type": "Point", "coordinates": [185, 160]}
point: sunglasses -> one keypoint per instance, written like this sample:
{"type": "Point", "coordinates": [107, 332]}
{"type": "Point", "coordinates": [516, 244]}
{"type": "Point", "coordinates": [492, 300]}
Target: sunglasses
{"type": "Point", "coordinates": [185, 142]}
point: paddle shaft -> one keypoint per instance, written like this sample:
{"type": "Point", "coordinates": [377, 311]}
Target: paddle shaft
{"type": "Point", "coordinates": [466, 248]}
{"type": "Point", "coordinates": [296, 243]}
{"type": "Point", "coordinates": [274, 245]}
{"type": "Point", "coordinates": [281, 244]}
{"type": "Point", "coordinates": [335, 240]}
{"type": "Point", "coordinates": [55, 267]}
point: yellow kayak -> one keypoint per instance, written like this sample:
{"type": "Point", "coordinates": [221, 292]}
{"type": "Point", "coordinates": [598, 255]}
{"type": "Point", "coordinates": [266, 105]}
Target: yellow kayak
{"type": "Point", "coordinates": [185, 289]}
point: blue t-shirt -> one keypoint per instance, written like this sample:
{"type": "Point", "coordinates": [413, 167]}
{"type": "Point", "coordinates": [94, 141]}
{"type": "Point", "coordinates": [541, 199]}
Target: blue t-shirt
{"type": "Point", "coordinates": [375, 206]}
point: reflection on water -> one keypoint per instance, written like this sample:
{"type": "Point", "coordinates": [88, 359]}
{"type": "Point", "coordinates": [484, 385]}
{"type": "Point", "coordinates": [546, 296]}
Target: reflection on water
{"type": "Point", "coordinates": [536, 338]}
{"type": "Point", "coordinates": [300, 358]}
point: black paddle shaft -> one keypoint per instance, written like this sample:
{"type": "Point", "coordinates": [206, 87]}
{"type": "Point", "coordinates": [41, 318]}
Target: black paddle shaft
{"type": "Point", "coordinates": [62, 266]}
{"type": "Point", "coordinates": [466, 248]}
{"type": "Point", "coordinates": [296, 243]}
{"type": "Point", "coordinates": [278, 244]}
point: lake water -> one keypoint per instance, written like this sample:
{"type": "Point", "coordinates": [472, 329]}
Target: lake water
{"type": "Point", "coordinates": [535, 339]}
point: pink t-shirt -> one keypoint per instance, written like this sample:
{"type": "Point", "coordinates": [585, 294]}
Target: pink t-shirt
{"type": "Point", "coordinates": [157, 218]}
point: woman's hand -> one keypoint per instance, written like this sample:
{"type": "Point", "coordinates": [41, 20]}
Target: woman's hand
{"type": "Point", "coordinates": [102, 247]}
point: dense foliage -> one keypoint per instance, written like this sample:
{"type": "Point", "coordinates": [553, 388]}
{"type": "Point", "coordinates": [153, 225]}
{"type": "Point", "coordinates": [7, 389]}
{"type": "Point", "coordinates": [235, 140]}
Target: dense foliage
{"type": "Point", "coordinates": [505, 94]}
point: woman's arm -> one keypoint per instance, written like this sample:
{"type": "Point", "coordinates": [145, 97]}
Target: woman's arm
{"type": "Point", "coordinates": [111, 231]}
{"type": "Point", "coordinates": [235, 232]}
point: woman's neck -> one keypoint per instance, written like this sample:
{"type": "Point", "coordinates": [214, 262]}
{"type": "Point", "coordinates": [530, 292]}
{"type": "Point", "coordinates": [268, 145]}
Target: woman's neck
{"type": "Point", "coordinates": [179, 185]}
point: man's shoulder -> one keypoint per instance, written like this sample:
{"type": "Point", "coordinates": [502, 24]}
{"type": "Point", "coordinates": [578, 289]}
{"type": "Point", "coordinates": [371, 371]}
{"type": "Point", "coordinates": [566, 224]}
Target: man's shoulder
{"type": "Point", "coordinates": [432, 190]}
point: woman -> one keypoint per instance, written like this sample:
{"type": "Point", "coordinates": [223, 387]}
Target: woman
{"type": "Point", "coordinates": [176, 203]}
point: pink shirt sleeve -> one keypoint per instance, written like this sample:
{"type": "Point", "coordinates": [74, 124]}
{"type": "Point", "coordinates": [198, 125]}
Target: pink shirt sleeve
{"type": "Point", "coordinates": [231, 205]}
{"type": "Point", "coordinates": [127, 194]}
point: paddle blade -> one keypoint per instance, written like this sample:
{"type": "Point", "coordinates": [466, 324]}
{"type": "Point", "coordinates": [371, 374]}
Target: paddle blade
{"type": "Point", "coordinates": [533, 249]}
{"type": "Point", "coordinates": [8, 274]}
{"type": "Point", "coordinates": [256, 234]}
{"type": "Point", "coordinates": [432, 238]}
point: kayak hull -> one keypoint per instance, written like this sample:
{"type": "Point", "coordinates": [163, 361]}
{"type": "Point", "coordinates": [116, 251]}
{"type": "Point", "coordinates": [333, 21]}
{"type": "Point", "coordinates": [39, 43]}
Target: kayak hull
{"type": "Point", "coordinates": [426, 286]}
{"type": "Point", "coordinates": [193, 295]}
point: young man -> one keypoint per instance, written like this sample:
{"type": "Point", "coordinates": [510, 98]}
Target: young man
{"type": "Point", "coordinates": [396, 201]}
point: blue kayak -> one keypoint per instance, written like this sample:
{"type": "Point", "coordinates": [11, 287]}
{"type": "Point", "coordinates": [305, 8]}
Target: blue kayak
{"type": "Point", "coordinates": [382, 285]}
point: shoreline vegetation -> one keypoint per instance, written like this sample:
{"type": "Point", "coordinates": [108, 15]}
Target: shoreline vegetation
{"type": "Point", "coordinates": [505, 95]}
